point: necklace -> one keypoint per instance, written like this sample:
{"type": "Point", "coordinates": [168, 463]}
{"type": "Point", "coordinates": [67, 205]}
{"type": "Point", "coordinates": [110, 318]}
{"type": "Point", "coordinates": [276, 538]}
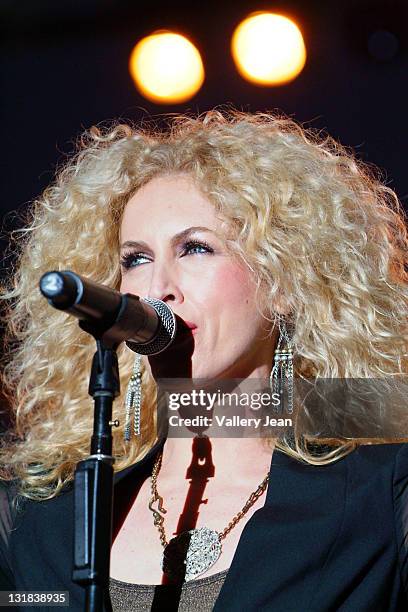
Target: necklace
{"type": "Point", "coordinates": [192, 552]}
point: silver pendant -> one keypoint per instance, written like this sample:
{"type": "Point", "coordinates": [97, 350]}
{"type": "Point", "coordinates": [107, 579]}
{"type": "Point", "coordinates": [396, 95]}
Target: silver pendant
{"type": "Point", "coordinates": [191, 553]}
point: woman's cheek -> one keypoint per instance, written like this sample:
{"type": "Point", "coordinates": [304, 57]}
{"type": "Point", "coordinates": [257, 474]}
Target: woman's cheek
{"type": "Point", "coordinates": [234, 282]}
{"type": "Point", "coordinates": [129, 284]}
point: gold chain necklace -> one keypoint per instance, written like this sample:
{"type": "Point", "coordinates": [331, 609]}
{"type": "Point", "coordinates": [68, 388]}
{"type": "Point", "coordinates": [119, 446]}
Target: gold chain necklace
{"type": "Point", "coordinates": [192, 552]}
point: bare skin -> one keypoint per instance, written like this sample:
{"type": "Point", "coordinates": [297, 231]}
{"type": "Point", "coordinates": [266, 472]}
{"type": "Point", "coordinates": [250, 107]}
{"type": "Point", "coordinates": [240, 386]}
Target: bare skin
{"type": "Point", "coordinates": [227, 338]}
{"type": "Point", "coordinates": [137, 550]}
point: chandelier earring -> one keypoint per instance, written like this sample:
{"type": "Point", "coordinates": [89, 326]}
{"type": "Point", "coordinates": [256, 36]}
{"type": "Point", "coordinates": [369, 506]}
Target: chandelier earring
{"type": "Point", "coordinates": [133, 401]}
{"type": "Point", "coordinates": [281, 376]}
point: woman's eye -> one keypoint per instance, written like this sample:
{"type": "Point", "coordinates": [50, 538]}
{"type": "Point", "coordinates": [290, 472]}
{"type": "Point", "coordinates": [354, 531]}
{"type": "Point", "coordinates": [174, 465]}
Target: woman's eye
{"type": "Point", "coordinates": [134, 260]}
{"type": "Point", "coordinates": [193, 247]}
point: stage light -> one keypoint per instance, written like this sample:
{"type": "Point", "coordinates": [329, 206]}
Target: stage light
{"type": "Point", "coordinates": [166, 68]}
{"type": "Point", "coordinates": [268, 49]}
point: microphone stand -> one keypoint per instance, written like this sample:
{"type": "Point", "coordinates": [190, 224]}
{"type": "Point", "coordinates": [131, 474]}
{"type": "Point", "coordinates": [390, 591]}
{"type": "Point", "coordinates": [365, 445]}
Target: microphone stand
{"type": "Point", "coordinates": [93, 492]}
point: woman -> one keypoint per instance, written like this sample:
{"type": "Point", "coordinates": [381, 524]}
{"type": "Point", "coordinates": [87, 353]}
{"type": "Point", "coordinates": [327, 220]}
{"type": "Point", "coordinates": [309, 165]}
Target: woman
{"type": "Point", "coordinates": [265, 240]}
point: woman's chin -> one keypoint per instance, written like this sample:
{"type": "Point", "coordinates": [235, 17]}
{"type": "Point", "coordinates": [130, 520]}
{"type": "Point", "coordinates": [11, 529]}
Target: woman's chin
{"type": "Point", "coordinates": [175, 361]}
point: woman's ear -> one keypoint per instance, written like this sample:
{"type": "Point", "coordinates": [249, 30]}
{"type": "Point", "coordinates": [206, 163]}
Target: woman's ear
{"type": "Point", "coordinates": [279, 306]}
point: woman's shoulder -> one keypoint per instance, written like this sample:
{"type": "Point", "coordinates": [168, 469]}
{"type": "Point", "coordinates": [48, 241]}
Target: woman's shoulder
{"type": "Point", "coordinates": [376, 502]}
{"type": "Point", "coordinates": [366, 457]}
{"type": "Point", "coordinates": [380, 474]}
{"type": "Point", "coordinates": [381, 454]}
{"type": "Point", "coordinates": [371, 470]}
{"type": "Point", "coordinates": [380, 464]}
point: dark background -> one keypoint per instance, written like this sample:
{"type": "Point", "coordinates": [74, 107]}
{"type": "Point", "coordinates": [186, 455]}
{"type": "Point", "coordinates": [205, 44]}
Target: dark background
{"type": "Point", "coordinates": [64, 67]}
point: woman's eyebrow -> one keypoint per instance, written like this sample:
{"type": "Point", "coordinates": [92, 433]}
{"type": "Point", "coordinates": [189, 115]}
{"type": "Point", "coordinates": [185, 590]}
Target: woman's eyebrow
{"type": "Point", "coordinates": [135, 244]}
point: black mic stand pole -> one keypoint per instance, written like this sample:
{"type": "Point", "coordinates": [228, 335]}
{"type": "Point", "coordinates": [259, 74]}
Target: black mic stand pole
{"type": "Point", "coordinates": [94, 480]}
{"type": "Point", "coordinates": [93, 494]}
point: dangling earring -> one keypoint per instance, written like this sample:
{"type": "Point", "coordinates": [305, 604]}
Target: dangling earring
{"type": "Point", "coordinates": [282, 371]}
{"type": "Point", "coordinates": [134, 399]}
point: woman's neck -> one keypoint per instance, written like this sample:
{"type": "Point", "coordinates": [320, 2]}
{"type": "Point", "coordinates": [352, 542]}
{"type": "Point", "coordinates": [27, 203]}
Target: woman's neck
{"type": "Point", "coordinates": [222, 458]}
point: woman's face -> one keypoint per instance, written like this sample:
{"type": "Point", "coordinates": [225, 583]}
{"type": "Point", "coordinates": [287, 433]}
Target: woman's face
{"type": "Point", "coordinates": [172, 249]}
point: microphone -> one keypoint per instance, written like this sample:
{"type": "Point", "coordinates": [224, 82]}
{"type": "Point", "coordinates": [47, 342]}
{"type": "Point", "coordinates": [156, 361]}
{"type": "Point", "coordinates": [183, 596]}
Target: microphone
{"type": "Point", "coordinates": [148, 325]}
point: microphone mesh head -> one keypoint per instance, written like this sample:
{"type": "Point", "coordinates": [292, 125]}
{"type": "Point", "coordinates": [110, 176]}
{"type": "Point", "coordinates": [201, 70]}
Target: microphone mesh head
{"type": "Point", "coordinates": [166, 331]}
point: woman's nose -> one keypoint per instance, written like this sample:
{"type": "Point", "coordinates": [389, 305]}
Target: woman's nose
{"type": "Point", "coordinates": [165, 284]}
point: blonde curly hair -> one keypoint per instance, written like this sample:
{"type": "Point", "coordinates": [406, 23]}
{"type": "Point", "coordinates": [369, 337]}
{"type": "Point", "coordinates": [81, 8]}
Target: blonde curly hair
{"type": "Point", "coordinates": [315, 225]}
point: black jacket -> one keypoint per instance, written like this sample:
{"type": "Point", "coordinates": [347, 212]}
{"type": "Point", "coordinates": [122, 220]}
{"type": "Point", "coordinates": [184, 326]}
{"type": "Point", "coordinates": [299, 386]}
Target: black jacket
{"type": "Point", "coordinates": [328, 538]}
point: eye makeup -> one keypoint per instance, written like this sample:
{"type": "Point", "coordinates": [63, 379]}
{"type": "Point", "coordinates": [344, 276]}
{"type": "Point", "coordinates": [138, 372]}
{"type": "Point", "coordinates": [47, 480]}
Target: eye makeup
{"type": "Point", "coordinates": [193, 246]}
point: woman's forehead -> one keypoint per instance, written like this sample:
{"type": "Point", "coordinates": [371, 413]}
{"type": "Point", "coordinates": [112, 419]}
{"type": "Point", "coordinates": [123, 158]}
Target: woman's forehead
{"type": "Point", "coordinates": [171, 201]}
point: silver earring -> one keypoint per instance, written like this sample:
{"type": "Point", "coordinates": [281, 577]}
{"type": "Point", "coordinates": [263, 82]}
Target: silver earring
{"type": "Point", "coordinates": [134, 399]}
{"type": "Point", "coordinates": [282, 371]}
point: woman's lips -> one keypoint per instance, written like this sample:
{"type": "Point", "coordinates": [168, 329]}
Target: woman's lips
{"type": "Point", "coordinates": [187, 326]}
{"type": "Point", "coordinates": [190, 325]}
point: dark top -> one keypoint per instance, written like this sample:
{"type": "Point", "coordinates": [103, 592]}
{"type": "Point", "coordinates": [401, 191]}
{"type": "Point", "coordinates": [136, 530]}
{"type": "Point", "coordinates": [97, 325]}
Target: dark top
{"type": "Point", "coordinates": [328, 538]}
{"type": "Point", "coordinates": [126, 597]}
